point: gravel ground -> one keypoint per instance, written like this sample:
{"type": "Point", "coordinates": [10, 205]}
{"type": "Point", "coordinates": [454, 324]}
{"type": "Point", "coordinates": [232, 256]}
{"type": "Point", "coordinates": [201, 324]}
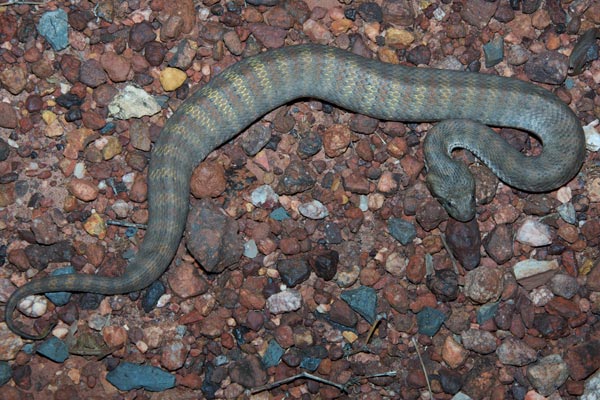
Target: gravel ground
{"type": "Point", "coordinates": [313, 245]}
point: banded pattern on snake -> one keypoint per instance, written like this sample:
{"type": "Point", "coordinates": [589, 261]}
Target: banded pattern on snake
{"type": "Point", "coordinates": [465, 102]}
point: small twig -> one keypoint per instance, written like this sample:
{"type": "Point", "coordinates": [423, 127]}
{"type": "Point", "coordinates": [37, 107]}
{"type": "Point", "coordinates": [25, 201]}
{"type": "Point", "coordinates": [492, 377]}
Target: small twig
{"type": "Point", "coordinates": [423, 367]}
{"type": "Point", "coordinates": [452, 258]}
{"type": "Point", "coordinates": [373, 327]}
{"type": "Point", "coordinates": [305, 375]}
{"type": "Point", "coordinates": [302, 375]}
{"type": "Point", "coordinates": [126, 224]}
{"type": "Point", "coordinates": [22, 3]}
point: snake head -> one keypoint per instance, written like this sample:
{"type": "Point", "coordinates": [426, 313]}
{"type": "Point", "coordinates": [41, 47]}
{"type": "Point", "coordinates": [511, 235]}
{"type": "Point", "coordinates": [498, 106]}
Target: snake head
{"type": "Point", "coordinates": [457, 196]}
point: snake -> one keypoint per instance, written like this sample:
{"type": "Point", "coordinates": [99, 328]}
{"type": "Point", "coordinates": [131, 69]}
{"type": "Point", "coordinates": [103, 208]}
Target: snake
{"type": "Point", "coordinates": [465, 104]}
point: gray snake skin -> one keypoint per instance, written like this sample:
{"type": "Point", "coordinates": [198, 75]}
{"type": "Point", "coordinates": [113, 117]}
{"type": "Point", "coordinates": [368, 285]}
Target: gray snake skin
{"type": "Point", "coordinates": [465, 102]}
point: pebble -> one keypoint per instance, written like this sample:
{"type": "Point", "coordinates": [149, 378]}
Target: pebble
{"type": "Point", "coordinates": [13, 78]}
{"type": "Point", "coordinates": [270, 36]}
{"type": "Point", "coordinates": [186, 281]}
{"type": "Point", "coordinates": [453, 353]}
{"type": "Point", "coordinates": [534, 233]}
{"type": "Point", "coordinates": [273, 354]}
{"type": "Point", "coordinates": [92, 74]}
{"type": "Point", "coordinates": [341, 313]}
{"type": "Point", "coordinates": [132, 102]}
{"type": "Point", "coordinates": [325, 264]}
{"type": "Point", "coordinates": [127, 376]}
{"type": "Point", "coordinates": [297, 177]}
{"type": "Point", "coordinates": [464, 240]}
{"type": "Point", "coordinates": [482, 342]}
{"type": "Point", "coordinates": [498, 244]}
{"type": "Point", "coordinates": [208, 180]}
{"type": "Point", "coordinates": [363, 300]}
{"type": "Point", "coordinates": [212, 237]}
{"type": "Point", "coordinates": [517, 55]}
{"type": "Point", "coordinates": [430, 214]}
{"type": "Point", "coordinates": [313, 210]}
{"type": "Point", "coordinates": [515, 352]}
{"type": "Point", "coordinates": [336, 140]}
{"type": "Point", "coordinates": [494, 52]}
{"type": "Point", "coordinates": [583, 359]}
{"type": "Point", "coordinates": [117, 67]}
{"type": "Point", "coordinates": [8, 117]}
{"type": "Point", "coordinates": [172, 78]}
{"type": "Point", "coordinates": [293, 271]}
{"type": "Point", "coordinates": [250, 249]}
{"type": "Point", "coordinates": [443, 284]}
{"type": "Point", "coordinates": [548, 67]}
{"type": "Point", "coordinates": [567, 213]}
{"type": "Point", "coordinates": [483, 284]}
{"type": "Point", "coordinates": [256, 139]}
{"type": "Point", "coordinates": [279, 214]}
{"type": "Point", "coordinates": [592, 137]}
{"type": "Point", "coordinates": [564, 285]}
{"type": "Point", "coordinates": [10, 344]}
{"type": "Point", "coordinates": [478, 12]}
{"type": "Point", "coordinates": [401, 230]}
{"type": "Point", "coordinates": [592, 388]}
{"type": "Point", "coordinates": [286, 301]}
{"type": "Point", "coordinates": [5, 373]}
{"type": "Point", "coordinates": [140, 34]}
{"type": "Point", "coordinates": [95, 225]}
{"type": "Point", "coordinates": [54, 349]}
{"type": "Point", "coordinates": [264, 197]}
{"type": "Point", "coordinates": [548, 374]}
{"type": "Point", "coordinates": [53, 26]}
{"type": "Point", "coordinates": [398, 12]}
{"type": "Point", "coordinates": [533, 273]}
{"type": "Point", "coordinates": [430, 320]}
{"type": "Point", "coordinates": [33, 306]}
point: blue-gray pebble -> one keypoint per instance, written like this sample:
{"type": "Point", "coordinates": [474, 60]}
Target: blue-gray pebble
{"type": "Point", "coordinates": [5, 373]}
{"type": "Point", "coordinates": [401, 230]}
{"type": "Point", "coordinates": [363, 300]}
{"type": "Point", "coordinates": [128, 376]}
{"type": "Point", "coordinates": [54, 349]}
{"type": "Point", "coordinates": [273, 354]}
{"type": "Point", "coordinates": [54, 27]}
{"type": "Point", "coordinates": [429, 321]}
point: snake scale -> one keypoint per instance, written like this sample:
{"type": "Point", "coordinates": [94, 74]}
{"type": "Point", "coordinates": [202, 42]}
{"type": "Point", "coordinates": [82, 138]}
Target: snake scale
{"type": "Point", "coordinates": [254, 86]}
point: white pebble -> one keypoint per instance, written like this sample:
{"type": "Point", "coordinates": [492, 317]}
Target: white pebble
{"type": "Point", "coordinates": [592, 137]}
{"type": "Point", "coordinates": [34, 306]}
{"type": "Point", "coordinates": [79, 171]}
{"type": "Point", "coordinates": [289, 300]}
{"type": "Point", "coordinates": [250, 249]}
{"type": "Point", "coordinates": [534, 233]}
{"type": "Point", "coordinates": [364, 203]}
{"type": "Point", "coordinates": [264, 196]}
{"type": "Point", "coordinates": [541, 296]}
{"type": "Point", "coordinates": [313, 210]}
{"type": "Point", "coordinates": [564, 194]}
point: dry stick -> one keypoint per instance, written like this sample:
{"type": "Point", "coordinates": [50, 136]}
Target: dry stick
{"type": "Point", "coordinates": [305, 375]}
{"type": "Point", "coordinates": [452, 258]}
{"type": "Point", "coordinates": [22, 3]}
{"type": "Point", "coordinates": [423, 366]}
{"type": "Point", "coordinates": [126, 224]}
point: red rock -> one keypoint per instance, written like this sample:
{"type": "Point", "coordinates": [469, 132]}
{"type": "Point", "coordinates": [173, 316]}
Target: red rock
{"type": "Point", "coordinates": [187, 282]}
{"type": "Point", "coordinates": [83, 190]}
{"type": "Point", "coordinates": [208, 180]}
{"type": "Point", "coordinates": [117, 67]}
{"type": "Point", "coordinates": [583, 360]}
{"type": "Point", "coordinates": [8, 116]}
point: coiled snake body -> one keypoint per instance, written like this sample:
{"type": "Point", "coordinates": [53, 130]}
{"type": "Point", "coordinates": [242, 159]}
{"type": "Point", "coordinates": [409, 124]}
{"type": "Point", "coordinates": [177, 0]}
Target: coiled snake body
{"type": "Point", "coordinates": [249, 89]}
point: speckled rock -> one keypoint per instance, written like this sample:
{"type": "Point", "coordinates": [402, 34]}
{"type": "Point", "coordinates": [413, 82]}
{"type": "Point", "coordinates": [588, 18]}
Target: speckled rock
{"type": "Point", "coordinates": [483, 284]}
{"type": "Point", "coordinates": [548, 374]}
{"type": "Point", "coordinates": [515, 352]}
{"type": "Point", "coordinates": [464, 240]}
{"type": "Point", "coordinates": [212, 237]}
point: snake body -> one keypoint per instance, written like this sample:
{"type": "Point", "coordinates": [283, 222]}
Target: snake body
{"type": "Point", "coordinates": [254, 86]}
